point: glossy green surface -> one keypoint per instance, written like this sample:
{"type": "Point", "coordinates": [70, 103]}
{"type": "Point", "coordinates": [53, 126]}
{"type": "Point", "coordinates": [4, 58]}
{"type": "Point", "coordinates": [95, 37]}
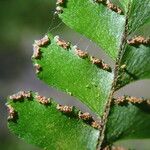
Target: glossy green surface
{"type": "Point", "coordinates": [66, 71]}
{"type": "Point", "coordinates": [106, 27]}
{"type": "Point", "coordinates": [50, 129]}
{"type": "Point", "coordinates": [136, 58]}
{"type": "Point", "coordinates": [100, 24]}
{"type": "Point", "coordinates": [137, 61]}
{"type": "Point", "coordinates": [139, 14]}
{"type": "Point", "coordinates": [128, 122]}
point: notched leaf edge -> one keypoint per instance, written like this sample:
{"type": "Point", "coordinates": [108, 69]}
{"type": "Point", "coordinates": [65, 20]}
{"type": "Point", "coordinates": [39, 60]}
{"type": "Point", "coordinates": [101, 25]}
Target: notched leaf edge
{"type": "Point", "coordinates": [37, 54]}
{"type": "Point", "coordinates": [123, 100]}
{"type": "Point", "coordinates": [110, 5]}
{"type": "Point", "coordinates": [62, 3]}
{"type": "Point", "coordinates": [70, 111]}
{"type": "Point", "coordinates": [137, 40]}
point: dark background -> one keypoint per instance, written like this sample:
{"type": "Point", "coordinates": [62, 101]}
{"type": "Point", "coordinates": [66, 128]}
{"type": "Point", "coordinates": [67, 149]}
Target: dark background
{"type": "Point", "coordinates": [21, 22]}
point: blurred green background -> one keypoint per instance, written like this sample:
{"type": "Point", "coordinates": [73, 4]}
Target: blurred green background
{"type": "Point", "coordinates": [21, 22]}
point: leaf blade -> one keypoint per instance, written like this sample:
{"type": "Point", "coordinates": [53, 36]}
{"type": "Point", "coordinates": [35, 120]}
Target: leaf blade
{"type": "Point", "coordinates": [135, 57]}
{"type": "Point", "coordinates": [48, 128]}
{"type": "Point", "coordinates": [137, 62]}
{"type": "Point", "coordinates": [130, 121]}
{"type": "Point", "coordinates": [101, 25]}
{"type": "Point", "coordinates": [66, 71]}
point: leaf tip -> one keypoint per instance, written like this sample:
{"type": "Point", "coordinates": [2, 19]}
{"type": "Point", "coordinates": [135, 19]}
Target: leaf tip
{"type": "Point", "coordinates": [39, 43]}
{"type": "Point", "coordinates": [42, 42]}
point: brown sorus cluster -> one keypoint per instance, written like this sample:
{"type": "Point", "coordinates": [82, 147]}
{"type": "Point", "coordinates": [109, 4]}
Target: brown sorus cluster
{"type": "Point", "coordinates": [119, 100]}
{"type": "Point", "coordinates": [37, 68]}
{"type": "Point", "coordinates": [113, 7]}
{"type": "Point", "coordinates": [117, 148]}
{"type": "Point", "coordinates": [96, 125]}
{"type": "Point", "coordinates": [60, 2]}
{"type": "Point", "coordinates": [107, 148]}
{"type": "Point", "coordinates": [12, 114]}
{"type": "Point", "coordinates": [36, 51]}
{"type": "Point", "coordinates": [123, 66]}
{"type": "Point", "coordinates": [139, 40]}
{"type": "Point", "coordinates": [59, 10]}
{"type": "Point", "coordinates": [131, 99]}
{"type": "Point", "coordinates": [106, 67]}
{"type": "Point", "coordinates": [20, 95]}
{"type": "Point", "coordinates": [80, 53]}
{"type": "Point", "coordinates": [85, 116]}
{"type": "Point", "coordinates": [96, 61]}
{"type": "Point", "coordinates": [44, 41]}
{"type": "Point", "coordinates": [43, 100]}
{"type": "Point", "coordinates": [100, 63]}
{"type": "Point", "coordinates": [39, 43]}
{"type": "Point", "coordinates": [113, 148]}
{"type": "Point", "coordinates": [62, 43]}
{"type": "Point", "coordinates": [65, 109]}
{"type": "Point", "coordinates": [110, 5]}
{"type": "Point", "coordinates": [134, 100]}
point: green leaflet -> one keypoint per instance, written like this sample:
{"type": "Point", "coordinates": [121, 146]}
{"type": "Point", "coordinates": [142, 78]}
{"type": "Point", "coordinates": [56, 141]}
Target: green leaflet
{"type": "Point", "coordinates": [95, 26]}
{"type": "Point", "coordinates": [62, 66]}
{"type": "Point", "coordinates": [136, 57]}
{"type": "Point", "coordinates": [50, 129]}
{"type": "Point", "coordinates": [137, 61]}
{"type": "Point", "coordinates": [139, 14]}
{"type": "Point", "coordinates": [130, 121]}
{"type": "Point", "coordinates": [97, 22]}
{"type": "Point", "coordinates": [65, 70]}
